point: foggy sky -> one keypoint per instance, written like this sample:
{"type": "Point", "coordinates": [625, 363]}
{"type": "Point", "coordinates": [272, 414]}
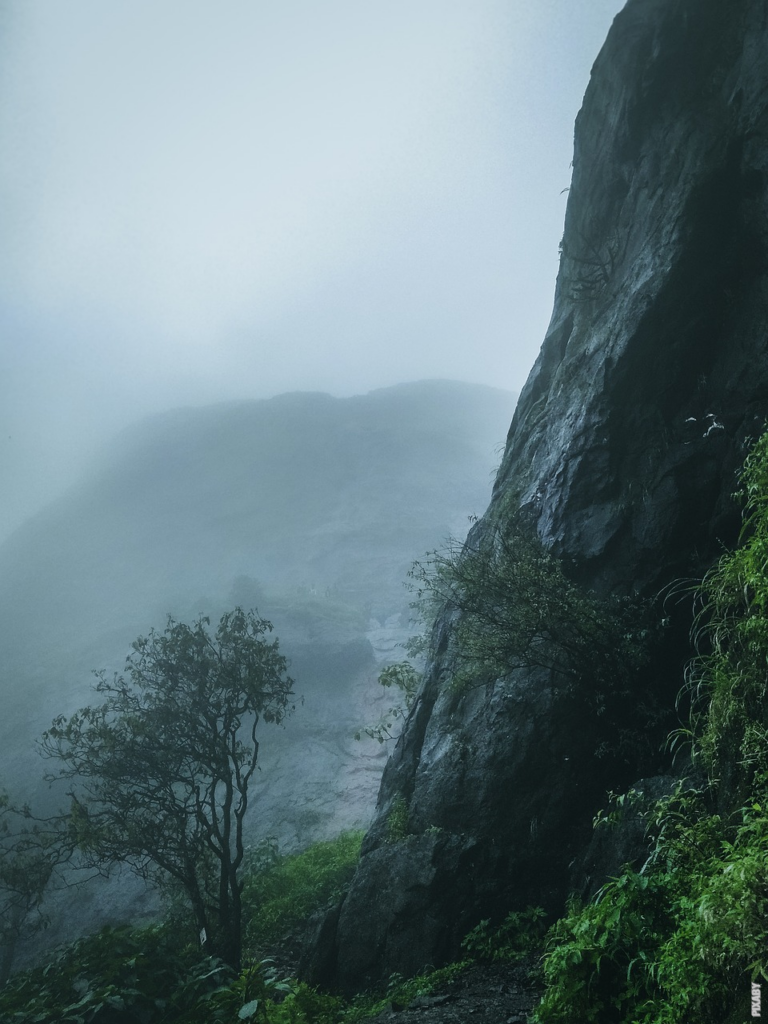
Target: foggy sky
{"type": "Point", "coordinates": [205, 201]}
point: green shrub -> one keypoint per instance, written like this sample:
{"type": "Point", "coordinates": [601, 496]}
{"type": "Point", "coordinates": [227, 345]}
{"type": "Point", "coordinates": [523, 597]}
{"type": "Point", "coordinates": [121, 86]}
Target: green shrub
{"type": "Point", "coordinates": [728, 681]}
{"type": "Point", "coordinates": [286, 892]}
{"type": "Point", "coordinates": [521, 932]}
{"type": "Point", "coordinates": [305, 1005]}
{"type": "Point", "coordinates": [137, 972]}
{"type": "Point", "coordinates": [519, 609]}
{"type": "Point", "coordinates": [677, 941]}
{"type": "Point", "coordinates": [397, 820]}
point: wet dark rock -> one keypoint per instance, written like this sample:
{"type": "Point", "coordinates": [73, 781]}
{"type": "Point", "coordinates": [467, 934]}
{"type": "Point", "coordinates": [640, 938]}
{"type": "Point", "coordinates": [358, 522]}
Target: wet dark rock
{"type": "Point", "coordinates": [620, 837]}
{"type": "Point", "coordinates": [623, 453]}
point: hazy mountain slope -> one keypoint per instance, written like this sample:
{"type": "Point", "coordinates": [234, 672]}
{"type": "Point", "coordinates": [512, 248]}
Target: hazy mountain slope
{"type": "Point", "coordinates": [309, 506]}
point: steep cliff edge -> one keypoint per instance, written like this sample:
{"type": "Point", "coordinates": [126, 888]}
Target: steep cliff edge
{"type": "Point", "coordinates": [623, 452]}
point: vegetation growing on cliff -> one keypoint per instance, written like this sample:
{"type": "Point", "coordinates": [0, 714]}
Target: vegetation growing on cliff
{"type": "Point", "coordinates": [683, 938]}
{"type": "Point", "coordinates": [519, 609]}
{"type": "Point", "coordinates": [403, 678]}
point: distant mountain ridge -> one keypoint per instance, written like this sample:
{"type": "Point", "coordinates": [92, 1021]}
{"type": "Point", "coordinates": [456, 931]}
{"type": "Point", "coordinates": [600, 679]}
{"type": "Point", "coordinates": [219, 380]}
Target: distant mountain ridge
{"type": "Point", "coordinates": [279, 486]}
{"type": "Point", "coordinates": [311, 507]}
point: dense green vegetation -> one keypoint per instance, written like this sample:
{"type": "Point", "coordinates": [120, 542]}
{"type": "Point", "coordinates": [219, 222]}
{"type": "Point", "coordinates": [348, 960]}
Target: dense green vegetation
{"type": "Point", "coordinates": [683, 937]}
{"type": "Point", "coordinates": [127, 975]}
{"type": "Point", "coordinates": [520, 609]}
{"type": "Point", "coordinates": [160, 975]}
{"type": "Point", "coordinates": [287, 890]}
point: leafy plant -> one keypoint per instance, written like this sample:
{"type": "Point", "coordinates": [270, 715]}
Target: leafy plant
{"type": "Point", "coordinates": [280, 895]}
{"type": "Point", "coordinates": [401, 677]}
{"type": "Point", "coordinates": [397, 820]}
{"type": "Point", "coordinates": [305, 1005]}
{"type": "Point", "coordinates": [518, 609]}
{"type": "Point", "coordinates": [521, 932]}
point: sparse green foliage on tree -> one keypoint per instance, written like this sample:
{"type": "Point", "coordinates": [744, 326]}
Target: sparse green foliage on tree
{"type": "Point", "coordinates": [517, 608]}
{"type": "Point", "coordinates": [160, 770]}
{"type": "Point", "coordinates": [403, 678]}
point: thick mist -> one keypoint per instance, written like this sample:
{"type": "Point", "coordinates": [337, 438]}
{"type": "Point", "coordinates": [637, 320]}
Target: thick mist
{"type": "Point", "coordinates": [305, 507]}
{"type": "Point", "coordinates": [202, 204]}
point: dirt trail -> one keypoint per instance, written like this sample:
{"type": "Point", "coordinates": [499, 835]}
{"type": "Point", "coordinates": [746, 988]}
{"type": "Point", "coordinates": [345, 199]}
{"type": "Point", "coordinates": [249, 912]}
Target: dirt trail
{"type": "Point", "coordinates": [503, 993]}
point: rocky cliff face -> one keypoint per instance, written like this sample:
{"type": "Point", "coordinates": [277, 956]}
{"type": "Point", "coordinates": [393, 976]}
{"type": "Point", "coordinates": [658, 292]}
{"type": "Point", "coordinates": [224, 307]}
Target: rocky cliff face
{"type": "Point", "coordinates": [623, 452]}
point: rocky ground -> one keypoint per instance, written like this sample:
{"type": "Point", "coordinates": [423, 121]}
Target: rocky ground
{"type": "Point", "coordinates": [501, 993]}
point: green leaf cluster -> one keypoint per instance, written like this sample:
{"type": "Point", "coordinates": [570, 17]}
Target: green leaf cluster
{"type": "Point", "coordinates": [285, 892]}
{"type": "Point", "coordinates": [520, 933]}
{"type": "Point", "coordinates": [404, 679]}
{"type": "Point", "coordinates": [518, 608]}
{"type": "Point", "coordinates": [129, 974]}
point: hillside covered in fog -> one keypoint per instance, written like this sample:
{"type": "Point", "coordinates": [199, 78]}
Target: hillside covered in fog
{"type": "Point", "coordinates": [309, 508]}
